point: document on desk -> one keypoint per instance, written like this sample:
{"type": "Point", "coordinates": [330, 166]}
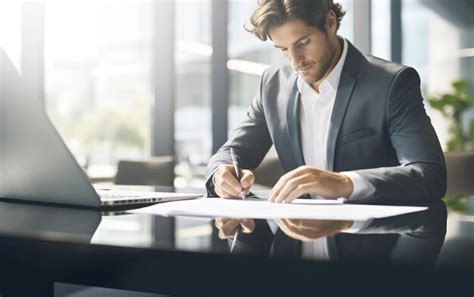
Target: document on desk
{"type": "Point", "coordinates": [262, 209]}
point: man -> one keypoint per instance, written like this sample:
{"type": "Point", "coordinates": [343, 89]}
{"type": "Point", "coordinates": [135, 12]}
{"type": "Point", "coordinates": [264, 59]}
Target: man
{"type": "Point", "coordinates": [343, 124]}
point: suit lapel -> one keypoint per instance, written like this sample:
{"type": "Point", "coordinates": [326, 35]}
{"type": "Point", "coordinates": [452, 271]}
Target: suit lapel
{"type": "Point", "coordinates": [293, 121]}
{"type": "Point", "coordinates": [344, 92]}
{"type": "Point", "coordinates": [343, 97]}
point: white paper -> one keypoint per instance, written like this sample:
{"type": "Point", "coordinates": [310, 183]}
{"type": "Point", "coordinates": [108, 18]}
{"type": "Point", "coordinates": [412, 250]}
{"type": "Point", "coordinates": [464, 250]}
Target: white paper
{"type": "Point", "coordinates": [262, 209]}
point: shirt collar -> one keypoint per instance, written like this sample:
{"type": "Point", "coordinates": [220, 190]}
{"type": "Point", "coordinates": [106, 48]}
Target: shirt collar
{"type": "Point", "coordinates": [334, 77]}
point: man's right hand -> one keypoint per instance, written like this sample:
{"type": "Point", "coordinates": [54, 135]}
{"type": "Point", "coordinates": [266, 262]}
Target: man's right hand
{"type": "Point", "coordinates": [226, 184]}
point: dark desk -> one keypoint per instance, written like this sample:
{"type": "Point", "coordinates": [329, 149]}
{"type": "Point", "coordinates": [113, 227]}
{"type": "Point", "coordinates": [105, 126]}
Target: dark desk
{"type": "Point", "coordinates": [410, 254]}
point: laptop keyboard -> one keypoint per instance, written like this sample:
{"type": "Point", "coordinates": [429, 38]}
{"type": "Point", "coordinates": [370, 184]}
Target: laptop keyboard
{"type": "Point", "coordinates": [120, 197]}
{"type": "Point", "coordinates": [117, 195]}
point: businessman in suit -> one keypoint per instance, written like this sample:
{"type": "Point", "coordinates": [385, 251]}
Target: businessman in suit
{"type": "Point", "coordinates": [343, 124]}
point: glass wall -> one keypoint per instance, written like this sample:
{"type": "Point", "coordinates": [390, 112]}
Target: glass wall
{"type": "Point", "coordinates": [438, 40]}
{"type": "Point", "coordinates": [193, 88]}
{"type": "Point", "coordinates": [248, 58]}
{"type": "Point", "coordinates": [10, 31]}
{"type": "Point", "coordinates": [97, 78]}
{"type": "Point", "coordinates": [380, 29]}
{"type": "Point", "coordinates": [347, 24]}
{"type": "Point", "coordinates": [98, 89]}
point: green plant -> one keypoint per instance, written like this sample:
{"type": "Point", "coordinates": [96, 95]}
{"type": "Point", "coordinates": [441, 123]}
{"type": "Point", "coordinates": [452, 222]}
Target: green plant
{"type": "Point", "coordinates": [454, 106]}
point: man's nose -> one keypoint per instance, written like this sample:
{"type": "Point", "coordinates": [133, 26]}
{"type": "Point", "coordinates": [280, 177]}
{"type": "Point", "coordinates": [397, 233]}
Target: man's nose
{"type": "Point", "coordinates": [295, 57]}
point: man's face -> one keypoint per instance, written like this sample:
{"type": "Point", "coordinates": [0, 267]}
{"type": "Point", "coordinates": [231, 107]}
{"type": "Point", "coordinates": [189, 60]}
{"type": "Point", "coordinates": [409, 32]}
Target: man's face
{"type": "Point", "coordinates": [308, 49]}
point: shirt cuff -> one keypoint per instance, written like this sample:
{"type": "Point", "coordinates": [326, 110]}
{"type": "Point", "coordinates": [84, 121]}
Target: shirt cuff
{"type": "Point", "coordinates": [210, 184]}
{"type": "Point", "coordinates": [362, 187]}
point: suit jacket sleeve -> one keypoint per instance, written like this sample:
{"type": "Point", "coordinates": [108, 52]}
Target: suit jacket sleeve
{"type": "Point", "coordinates": [250, 141]}
{"type": "Point", "coordinates": [422, 171]}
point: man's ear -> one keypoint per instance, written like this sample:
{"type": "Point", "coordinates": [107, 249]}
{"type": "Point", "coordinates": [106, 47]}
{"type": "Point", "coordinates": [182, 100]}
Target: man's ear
{"type": "Point", "coordinates": [331, 22]}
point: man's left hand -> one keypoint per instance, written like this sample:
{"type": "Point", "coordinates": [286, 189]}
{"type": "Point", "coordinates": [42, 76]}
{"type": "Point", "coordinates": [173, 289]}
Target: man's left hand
{"type": "Point", "coordinates": [309, 180]}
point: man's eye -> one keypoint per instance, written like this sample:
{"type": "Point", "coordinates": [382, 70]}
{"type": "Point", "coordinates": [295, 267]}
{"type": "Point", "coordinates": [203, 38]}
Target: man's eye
{"type": "Point", "coordinates": [304, 41]}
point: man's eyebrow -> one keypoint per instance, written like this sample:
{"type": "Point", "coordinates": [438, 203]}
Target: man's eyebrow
{"type": "Point", "coordinates": [303, 37]}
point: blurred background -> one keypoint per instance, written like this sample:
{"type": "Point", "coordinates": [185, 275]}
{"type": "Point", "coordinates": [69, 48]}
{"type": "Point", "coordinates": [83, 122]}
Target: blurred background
{"type": "Point", "coordinates": [132, 80]}
{"type": "Point", "coordinates": [143, 92]}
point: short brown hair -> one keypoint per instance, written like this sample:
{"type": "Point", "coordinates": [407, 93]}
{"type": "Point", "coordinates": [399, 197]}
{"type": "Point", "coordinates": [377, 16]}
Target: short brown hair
{"type": "Point", "coordinates": [270, 13]}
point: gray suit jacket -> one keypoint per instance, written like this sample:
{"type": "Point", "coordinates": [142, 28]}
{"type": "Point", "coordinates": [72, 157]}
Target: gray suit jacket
{"type": "Point", "coordinates": [379, 129]}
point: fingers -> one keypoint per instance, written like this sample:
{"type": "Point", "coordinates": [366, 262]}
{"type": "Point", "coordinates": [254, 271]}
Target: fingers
{"type": "Point", "coordinates": [285, 179]}
{"type": "Point", "coordinates": [294, 188]}
{"type": "Point", "coordinates": [247, 180]}
{"type": "Point", "coordinates": [219, 222]}
{"type": "Point", "coordinates": [248, 225]}
{"type": "Point", "coordinates": [228, 227]}
{"type": "Point", "coordinates": [225, 190]}
{"type": "Point", "coordinates": [290, 186]}
{"type": "Point", "coordinates": [278, 187]}
{"type": "Point", "coordinates": [285, 226]}
{"type": "Point", "coordinates": [301, 181]}
{"type": "Point", "coordinates": [297, 191]}
{"type": "Point", "coordinates": [226, 184]}
{"type": "Point", "coordinates": [290, 228]}
{"type": "Point", "coordinates": [311, 229]}
{"type": "Point", "coordinates": [281, 223]}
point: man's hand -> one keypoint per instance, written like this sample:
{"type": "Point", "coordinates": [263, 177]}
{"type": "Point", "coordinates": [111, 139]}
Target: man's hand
{"type": "Point", "coordinates": [307, 230]}
{"type": "Point", "coordinates": [228, 227]}
{"type": "Point", "coordinates": [309, 180]}
{"type": "Point", "coordinates": [226, 184]}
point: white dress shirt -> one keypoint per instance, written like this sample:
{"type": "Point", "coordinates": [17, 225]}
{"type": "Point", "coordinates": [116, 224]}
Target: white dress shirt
{"type": "Point", "coordinates": [315, 115]}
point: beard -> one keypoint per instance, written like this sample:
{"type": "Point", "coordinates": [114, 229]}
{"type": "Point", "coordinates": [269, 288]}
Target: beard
{"type": "Point", "coordinates": [322, 66]}
{"type": "Point", "coordinates": [325, 63]}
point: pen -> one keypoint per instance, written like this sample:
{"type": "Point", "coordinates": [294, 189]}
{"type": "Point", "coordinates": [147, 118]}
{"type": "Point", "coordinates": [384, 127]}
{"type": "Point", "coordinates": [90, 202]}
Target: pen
{"type": "Point", "coordinates": [237, 171]}
{"type": "Point", "coordinates": [242, 195]}
{"type": "Point", "coordinates": [235, 238]}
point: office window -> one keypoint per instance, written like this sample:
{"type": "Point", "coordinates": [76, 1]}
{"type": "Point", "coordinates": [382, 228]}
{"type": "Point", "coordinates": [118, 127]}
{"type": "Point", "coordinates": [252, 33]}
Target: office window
{"type": "Point", "coordinates": [97, 78]}
{"type": "Point", "coordinates": [248, 58]}
{"type": "Point", "coordinates": [98, 88]}
{"type": "Point", "coordinates": [10, 30]}
{"type": "Point", "coordinates": [193, 90]}
{"type": "Point", "coordinates": [347, 24]}
{"type": "Point", "coordinates": [380, 29]}
{"type": "Point", "coordinates": [438, 41]}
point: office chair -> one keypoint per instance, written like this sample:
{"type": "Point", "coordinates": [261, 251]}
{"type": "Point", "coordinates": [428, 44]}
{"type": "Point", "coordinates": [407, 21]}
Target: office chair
{"type": "Point", "coordinates": [460, 168]}
{"type": "Point", "coordinates": [156, 171]}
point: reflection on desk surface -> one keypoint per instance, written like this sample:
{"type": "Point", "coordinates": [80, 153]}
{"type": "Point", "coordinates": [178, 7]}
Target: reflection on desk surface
{"type": "Point", "coordinates": [411, 238]}
{"type": "Point", "coordinates": [43, 221]}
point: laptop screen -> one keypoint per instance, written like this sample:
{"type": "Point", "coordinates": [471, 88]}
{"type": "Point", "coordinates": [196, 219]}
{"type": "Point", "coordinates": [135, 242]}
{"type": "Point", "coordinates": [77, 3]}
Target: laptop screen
{"type": "Point", "coordinates": [35, 163]}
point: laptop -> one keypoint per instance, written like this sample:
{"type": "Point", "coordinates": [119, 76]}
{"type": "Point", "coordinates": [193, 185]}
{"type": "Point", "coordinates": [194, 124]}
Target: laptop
{"type": "Point", "coordinates": [35, 163]}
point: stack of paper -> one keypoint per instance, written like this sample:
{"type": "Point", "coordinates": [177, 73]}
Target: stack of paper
{"type": "Point", "coordinates": [262, 209]}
